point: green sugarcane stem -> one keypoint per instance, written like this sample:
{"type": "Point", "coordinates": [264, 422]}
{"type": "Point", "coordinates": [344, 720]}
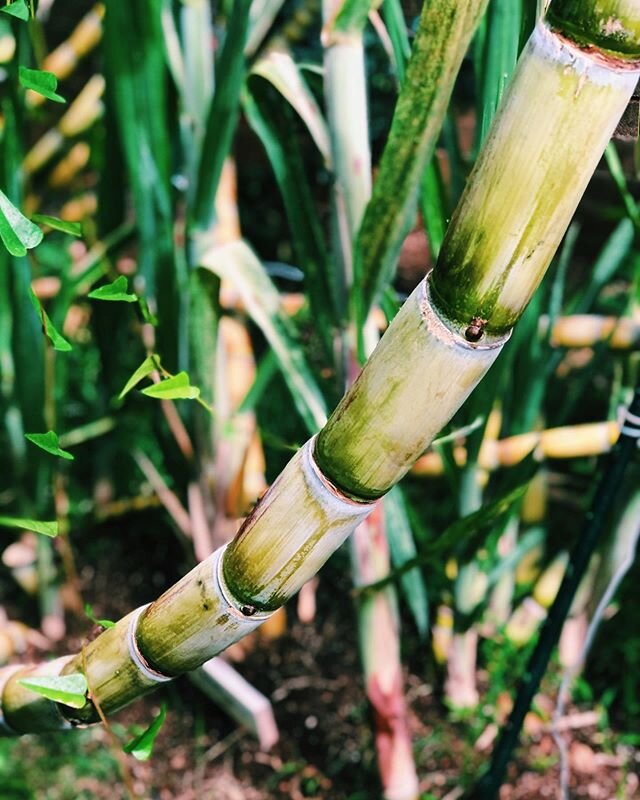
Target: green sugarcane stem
{"type": "Point", "coordinates": [378, 618]}
{"type": "Point", "coordinates": [609, 25]}
{"type": "Point", "coordinates": [528, 181]}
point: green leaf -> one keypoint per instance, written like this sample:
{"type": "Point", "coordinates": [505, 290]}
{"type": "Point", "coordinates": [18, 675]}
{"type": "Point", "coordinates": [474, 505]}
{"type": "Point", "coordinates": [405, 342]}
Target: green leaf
{"type": "Point", "coordinates": [464, 536]}
{"type": "Point", "coordinates": [237, 263]}
{"type": "Point", "coordinates": [403, 549]}
{"type": "Point", "coordinates": [103, 623]}
{"type": "Point", "coordinates": [70, 690]}
{"type": "Point", "coordinates": [498, 54]}
{"type": "Point", "coordinates": [142, 746]}
{"type": "Point", "coordinates": [118, 291]}
{"type": "Point", "coordinates": [278, 67]}
{"type": "Point", "coordinates": [18, 233]}
{"type": "Point", "coordinates": [49, 442]}
{"type": "Point", "coordinates": [72, 228]}
{"type": "Point", "coordinates": [46, 528]}
{"type": "Point", "coordinates": [223, 112]}
{"type": "Point", "coordinates": [440, 44]}
{"type": "Point", "coordinates": [176, 388]}
{"type": "Point", "coordinates": [352, 16]}
{"type": "Point", "coordinates": [18, 9]}
{"type": "Point", "coordinates": [270, 102]}
{"type": "Point", "coordinates": [146, 312]}
{"type": "Point", "coordinates": [44, 83]}
{"type": "Point", "coordinates": [57, 340]}
{"type": "Point", "coordinates": [146, 368]}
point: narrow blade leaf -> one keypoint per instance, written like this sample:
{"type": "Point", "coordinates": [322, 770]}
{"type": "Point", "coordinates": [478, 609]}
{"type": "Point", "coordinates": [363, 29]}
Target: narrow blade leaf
{"type": "Point", "coordinates": [72, 228]}
{"type": "Point", "coordinates": [70, 690]}
{"type": "Point", "coordinates": [237, 263]}
{"type": "Point", "coordinates": [280, 69]}
{"type": "Point", "coordinates": [45, 528]}
{"type": "Point", "coordinates": [403, 549]}
{"type": "Point", "coordinates": [50, 443]}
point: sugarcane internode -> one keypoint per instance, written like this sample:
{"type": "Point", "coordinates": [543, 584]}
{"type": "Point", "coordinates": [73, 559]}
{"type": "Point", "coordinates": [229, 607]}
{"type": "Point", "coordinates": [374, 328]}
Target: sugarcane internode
{"type": "Point", "coordinates": [610, 25]}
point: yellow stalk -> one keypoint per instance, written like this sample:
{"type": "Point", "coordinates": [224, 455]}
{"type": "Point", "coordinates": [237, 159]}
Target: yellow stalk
{"type": "Point", "coordinates": [63, 60]}
{"type": "Point", "coordinates": [81, 114]}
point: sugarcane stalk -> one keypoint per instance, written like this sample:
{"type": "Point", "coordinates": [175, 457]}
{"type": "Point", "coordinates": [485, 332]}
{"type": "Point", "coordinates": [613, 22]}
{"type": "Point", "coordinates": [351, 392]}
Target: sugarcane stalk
{"type": "Point", "coordinates": [569, 441]}
{"type": "Point", "coordinates": [433, 354]}
{"type": "Point", "coordinates": [378, 618]}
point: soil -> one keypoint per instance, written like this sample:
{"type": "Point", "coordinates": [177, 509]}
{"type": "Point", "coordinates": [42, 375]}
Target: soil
{"type": "Point", "coordinates": [312, 676]}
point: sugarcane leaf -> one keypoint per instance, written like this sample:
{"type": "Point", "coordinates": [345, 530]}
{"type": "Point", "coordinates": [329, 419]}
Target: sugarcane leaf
{"type": "Point", "coordinates": [50, 443]}
{"type": "Point", "coordinates": [402, 549]}
{"type": "Point", "coordinates": [57, 340]}
{"type": "Point", "coordinates": [279, 68]}
{"type": "Point", "coordinates": [142, 746]}
{"type": "Point", "coordinates": [275, 123]}
{"type": "Point", "coordinates": [441, 42]}
{"type": "Point", "coordinates": [223, 113]}
{"type": "Point", "coordinates": [18, 233]}
{"type": "Point", "coordinates": [463, 536]}
{"type": "Point", "coordinates": [177, 387]}
{"type": "Point", "coordinates": [261, 17]}
{"type": "Point", "coordinates": [17, 9]}
{"type": "Point", "coordinates": [44, 83]}
{"type": "Point", "coordinates": [103, 623]}
{"type": "Point", "coordinates": [70, 690]}
{"type": "Point", "coordinates": [499, 50]}
{"type": "Point", "coordinates": [45, 528]}
{"type": "Point", "coordinates": [352, 15]}
{"type": "Point", "coordinates": [63, 225]}
{"type": "Point", "coordinates": [397, 29]}
{"type": "Point", "coordinates": [146, 368]}
{"type": "Point", "coordinates": [237, 263]}
{"type": "Point", "coordinates": [118, 291]}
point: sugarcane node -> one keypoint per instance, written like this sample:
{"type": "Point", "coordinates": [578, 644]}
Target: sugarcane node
{"type": "Point", "coordinates": [248, 610]}
{"type": "Point", "coordinates": [475, 329]}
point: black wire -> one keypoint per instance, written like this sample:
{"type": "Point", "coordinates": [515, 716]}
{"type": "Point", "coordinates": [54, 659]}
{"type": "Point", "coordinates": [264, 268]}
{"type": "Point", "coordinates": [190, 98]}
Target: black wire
{"type": "Point", "coordinates": [610, 482]}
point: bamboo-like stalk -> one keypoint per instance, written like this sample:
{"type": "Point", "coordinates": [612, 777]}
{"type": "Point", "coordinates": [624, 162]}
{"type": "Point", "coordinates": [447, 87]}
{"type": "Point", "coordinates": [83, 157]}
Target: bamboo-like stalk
{"type": "Point", "coordinates": [378, 619]}
{"type": "Point", "coordinates": [528, 179]}
{"type": "Point", "coordinates": [437, 347]}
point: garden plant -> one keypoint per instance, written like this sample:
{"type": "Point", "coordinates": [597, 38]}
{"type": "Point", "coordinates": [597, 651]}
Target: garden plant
{"type": "Point", "coordinates": [346, 211]}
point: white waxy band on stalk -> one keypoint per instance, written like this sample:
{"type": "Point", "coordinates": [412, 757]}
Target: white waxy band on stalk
{"type": "Point", "coordinates": [134, 651]}
{"type": "Point", "coordinates": [252, 619]}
